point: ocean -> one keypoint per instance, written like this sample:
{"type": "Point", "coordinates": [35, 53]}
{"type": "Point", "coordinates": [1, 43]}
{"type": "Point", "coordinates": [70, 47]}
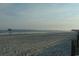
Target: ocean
{"type": "Point", "coordinates": [6, 32]}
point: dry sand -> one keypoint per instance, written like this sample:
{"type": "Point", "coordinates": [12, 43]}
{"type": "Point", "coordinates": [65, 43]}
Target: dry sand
{"type": "Point", "coordinates": [31, 44]}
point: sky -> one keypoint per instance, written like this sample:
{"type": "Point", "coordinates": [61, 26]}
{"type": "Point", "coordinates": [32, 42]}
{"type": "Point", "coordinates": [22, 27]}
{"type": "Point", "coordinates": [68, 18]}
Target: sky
{"type": "Point", "coordinates": [39, 16]}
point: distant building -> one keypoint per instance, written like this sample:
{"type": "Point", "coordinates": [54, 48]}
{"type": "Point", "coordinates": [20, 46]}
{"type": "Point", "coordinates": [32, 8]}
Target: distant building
{"type": "Point", "coordinates": [77, 30]}
{"type": "Point", "coordinates": [10, 31]}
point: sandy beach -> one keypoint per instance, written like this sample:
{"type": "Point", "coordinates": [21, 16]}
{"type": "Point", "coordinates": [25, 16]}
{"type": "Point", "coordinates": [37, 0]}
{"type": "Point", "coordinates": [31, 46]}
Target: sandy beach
{"type": "Point", "coordinates": [36, 44]}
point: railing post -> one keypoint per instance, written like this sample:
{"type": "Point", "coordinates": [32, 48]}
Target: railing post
{"type": "Point", "coordinates": [73, 50]}
{"type": "Point", "coordinates": [75, 45]}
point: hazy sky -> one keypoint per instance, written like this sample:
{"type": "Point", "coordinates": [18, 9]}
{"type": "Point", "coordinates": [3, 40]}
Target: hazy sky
{"type": "Point", "coordinates": [39, 16]}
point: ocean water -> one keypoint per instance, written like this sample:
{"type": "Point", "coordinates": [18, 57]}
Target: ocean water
{"type": "Point", "coordinates": [5, 32]}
